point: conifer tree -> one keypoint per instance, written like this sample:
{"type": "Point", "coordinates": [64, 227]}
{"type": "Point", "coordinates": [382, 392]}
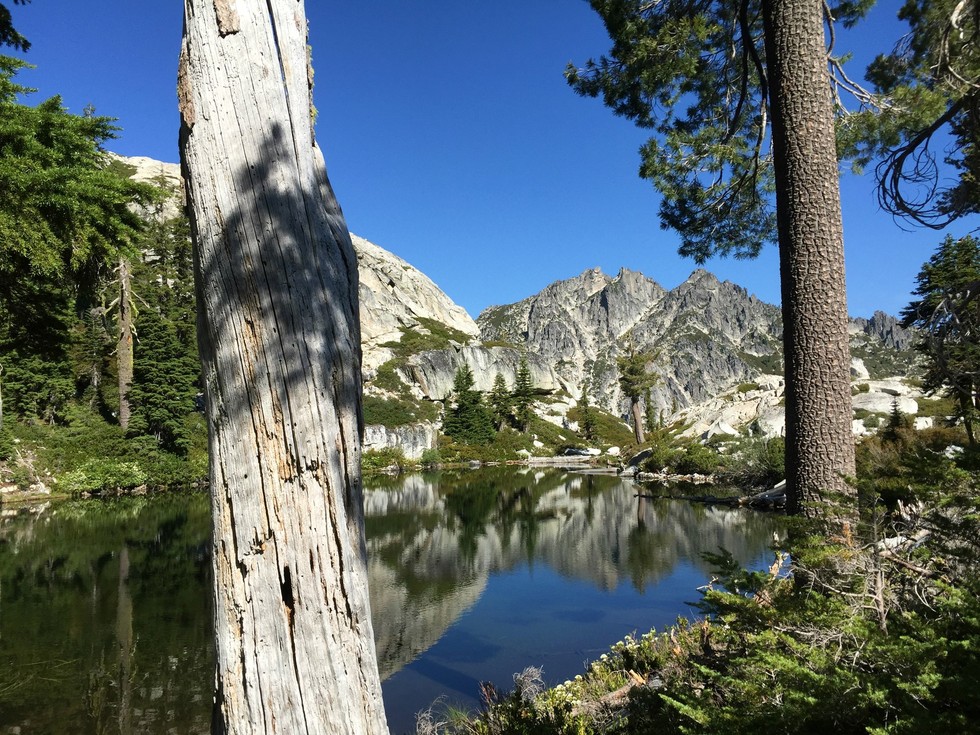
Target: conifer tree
{"type": "Point", "coordinates": [523, 395]}
{"type": "Point", "coordinates": [166, 375]}
{"type": "Point", "coordinates": [947, 313]}
{"type": "Point", "coordinates": [635, 379]}
{"type": "Point", "coordinates": [468, 421]}
{"type": "Point", "coordinates": [650, 419]}
{"type": "Point", "coordinates": [500, 402]}
{"type": "Point", "coordinates": [65, 217]}
{"type": "Point", "coordinates": [741, 107]}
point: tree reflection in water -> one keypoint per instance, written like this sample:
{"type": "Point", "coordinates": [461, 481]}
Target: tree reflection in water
{"type": "Point", "coordinates": [484, 573]}
{"type": "Point", "coordinates": [105, 623]}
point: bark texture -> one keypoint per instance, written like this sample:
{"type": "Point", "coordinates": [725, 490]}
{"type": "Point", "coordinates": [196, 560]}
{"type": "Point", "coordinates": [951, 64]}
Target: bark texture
{"type": "Point", "coordinates": [820, 446]}
{"type": "Point", "coordinates": [636, 413]}
{"type": "Point", "coordinates": [124, 342]}
{"type": "Point", "coordinates": [277, 293]}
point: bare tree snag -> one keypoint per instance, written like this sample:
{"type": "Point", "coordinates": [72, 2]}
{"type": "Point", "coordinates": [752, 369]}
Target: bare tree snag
{"type": "Point", "coordinates": [124, 341]}
{"type": "Point", "coordinates": [280, 345]}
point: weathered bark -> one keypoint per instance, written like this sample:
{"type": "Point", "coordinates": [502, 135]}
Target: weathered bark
{"type": "Point", "coordinates": [636, 413]}
{"type": "Point", "coordinates": [124, 341]}
{"type": "Point", "coordinates": [280, 346]}
{"type": "Point", "coordinates": [819, 443]}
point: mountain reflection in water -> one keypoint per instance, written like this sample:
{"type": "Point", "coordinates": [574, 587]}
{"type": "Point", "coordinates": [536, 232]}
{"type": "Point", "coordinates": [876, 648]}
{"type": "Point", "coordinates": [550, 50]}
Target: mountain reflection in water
{"type": "Point", "coordinates": [105, 622]}
{"type": "Point", "coordinates": [483, 573]}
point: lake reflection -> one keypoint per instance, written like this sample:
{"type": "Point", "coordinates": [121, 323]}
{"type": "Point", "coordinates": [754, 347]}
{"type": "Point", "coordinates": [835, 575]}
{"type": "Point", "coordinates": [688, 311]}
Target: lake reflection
{"type": "Point", "coordinates": [105, 627]}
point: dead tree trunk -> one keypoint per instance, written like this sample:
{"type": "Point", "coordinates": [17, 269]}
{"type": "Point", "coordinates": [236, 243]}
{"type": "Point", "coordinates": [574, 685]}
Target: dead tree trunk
{"type": "Point", "coordinates": [636, 414]}
{"type": "Point", "coordinates": [280, 346]}
{"type": "Point", "coordinates": [124, 342]}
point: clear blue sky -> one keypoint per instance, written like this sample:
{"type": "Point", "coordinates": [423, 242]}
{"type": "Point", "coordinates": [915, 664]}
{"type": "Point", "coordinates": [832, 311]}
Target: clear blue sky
{"type": "Point", "coordinates": [452, 140]}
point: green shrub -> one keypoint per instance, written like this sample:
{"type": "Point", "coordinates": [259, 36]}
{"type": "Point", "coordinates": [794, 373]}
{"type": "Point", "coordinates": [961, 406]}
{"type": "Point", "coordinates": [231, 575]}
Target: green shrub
{"type": "Point", "coordinates": [427, 335]}
{"type": "Point", "coordinates": [91, 455]}
{"type": "Point", "coordinates": [386, 378]}
{"type": "Point", "coordinates": [697, 459]}
{"type": "Point", "coordinates": [609, 430]}
{"type": "Point", "coordinates": [664, 454]}
{"type": "Point", "coordinates": [375, 460]}
{"type": "Point", "coordinates": [756, 462]}
{"type": "Point", "coordinates": [430, 457]}
{"type": "Point", "coordinates": [872, 421]}
{"type": "Point", "coordinates": [401, 409]}
{"type": "Point", "coordinates": [387, 412]}
{"type": "Point", "coordinates": [938, 407]}
{"type": "Point", "coordinates": [98, 475]}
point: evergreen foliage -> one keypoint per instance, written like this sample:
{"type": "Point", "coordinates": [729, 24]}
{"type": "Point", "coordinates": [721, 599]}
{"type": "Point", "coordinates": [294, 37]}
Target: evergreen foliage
{"type": "Point", "coordinates": [946, 310]}
{"type": "Point", "coordinates": [635, 379]}
{"type": "Point", "coordinates": [65, 211]}
{"type": "Point", "coordinates": [651, 420]}
{"type": "Point", "coordinates": [523, 395]}
{"type": "Point", "coordinates": [587, 418]}
{"type": "Point", "coordinates": [68, 217]}
{"type": "Point", "coordinates": [697, 77]}
{"type": "Point", "coordinates": [8, 34]}
{"type": "Point", "coordinates": [166, 375]}
{"type": "Point", "coordinates": [500, 402]}
{"type": "Point", "coordinates": [427, 334]}
{"type": "Point", "coordinates": [928, 92]}
{"type": "Point", "coordinates": [468, 421]}
{"type": "Point", "coordinates": [165, 383]}
{"type": "Point", "coordinates": [608, 431]}
{"type": "Point", "coordinates": [64, 216]}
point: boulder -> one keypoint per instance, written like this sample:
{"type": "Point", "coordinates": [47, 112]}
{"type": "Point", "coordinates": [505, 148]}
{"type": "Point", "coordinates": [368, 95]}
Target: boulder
{"type": "Point", "coordinates": [858, 370]}
{"type": "Point", "coordinates": [394, 296]}
{"type": "Point", "coordinates": [884, 402]}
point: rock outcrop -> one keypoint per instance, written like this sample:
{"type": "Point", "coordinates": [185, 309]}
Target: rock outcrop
{"type": "Point", "coordinates": [887, 330]}
{"type": "Point", "coordinates": [432, 372]}
{"type": "Point", "coordinates": [719, 349]}
{"type": "Point", "coordinates": [394, 296]}
{"type": "Point", "coordinates": [412, 440]}
{"type": "Point", "coordinates": [708, 334]}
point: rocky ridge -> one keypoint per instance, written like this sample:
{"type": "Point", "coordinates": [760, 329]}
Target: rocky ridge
{"type": "Point", "coordinates": [708, 334]}
{"type": "Point", "coordinates": [719, 348]}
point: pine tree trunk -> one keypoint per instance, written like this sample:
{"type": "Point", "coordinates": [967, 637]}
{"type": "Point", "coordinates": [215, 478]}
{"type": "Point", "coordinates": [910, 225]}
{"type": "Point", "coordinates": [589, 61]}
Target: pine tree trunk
{"type": "Point", "coordinates": [124, 342]}
{"type": "Point", "coordinates": [637, 413]}
{"type": "Point", "coordinates": [280, 347]}
{"type": "Point", "coordinates": [819, 442]}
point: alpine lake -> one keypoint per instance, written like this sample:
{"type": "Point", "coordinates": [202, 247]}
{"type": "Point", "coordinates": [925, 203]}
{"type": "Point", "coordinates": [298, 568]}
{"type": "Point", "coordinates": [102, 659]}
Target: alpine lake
{"type": "Point", "coordinates": [105, 622]}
